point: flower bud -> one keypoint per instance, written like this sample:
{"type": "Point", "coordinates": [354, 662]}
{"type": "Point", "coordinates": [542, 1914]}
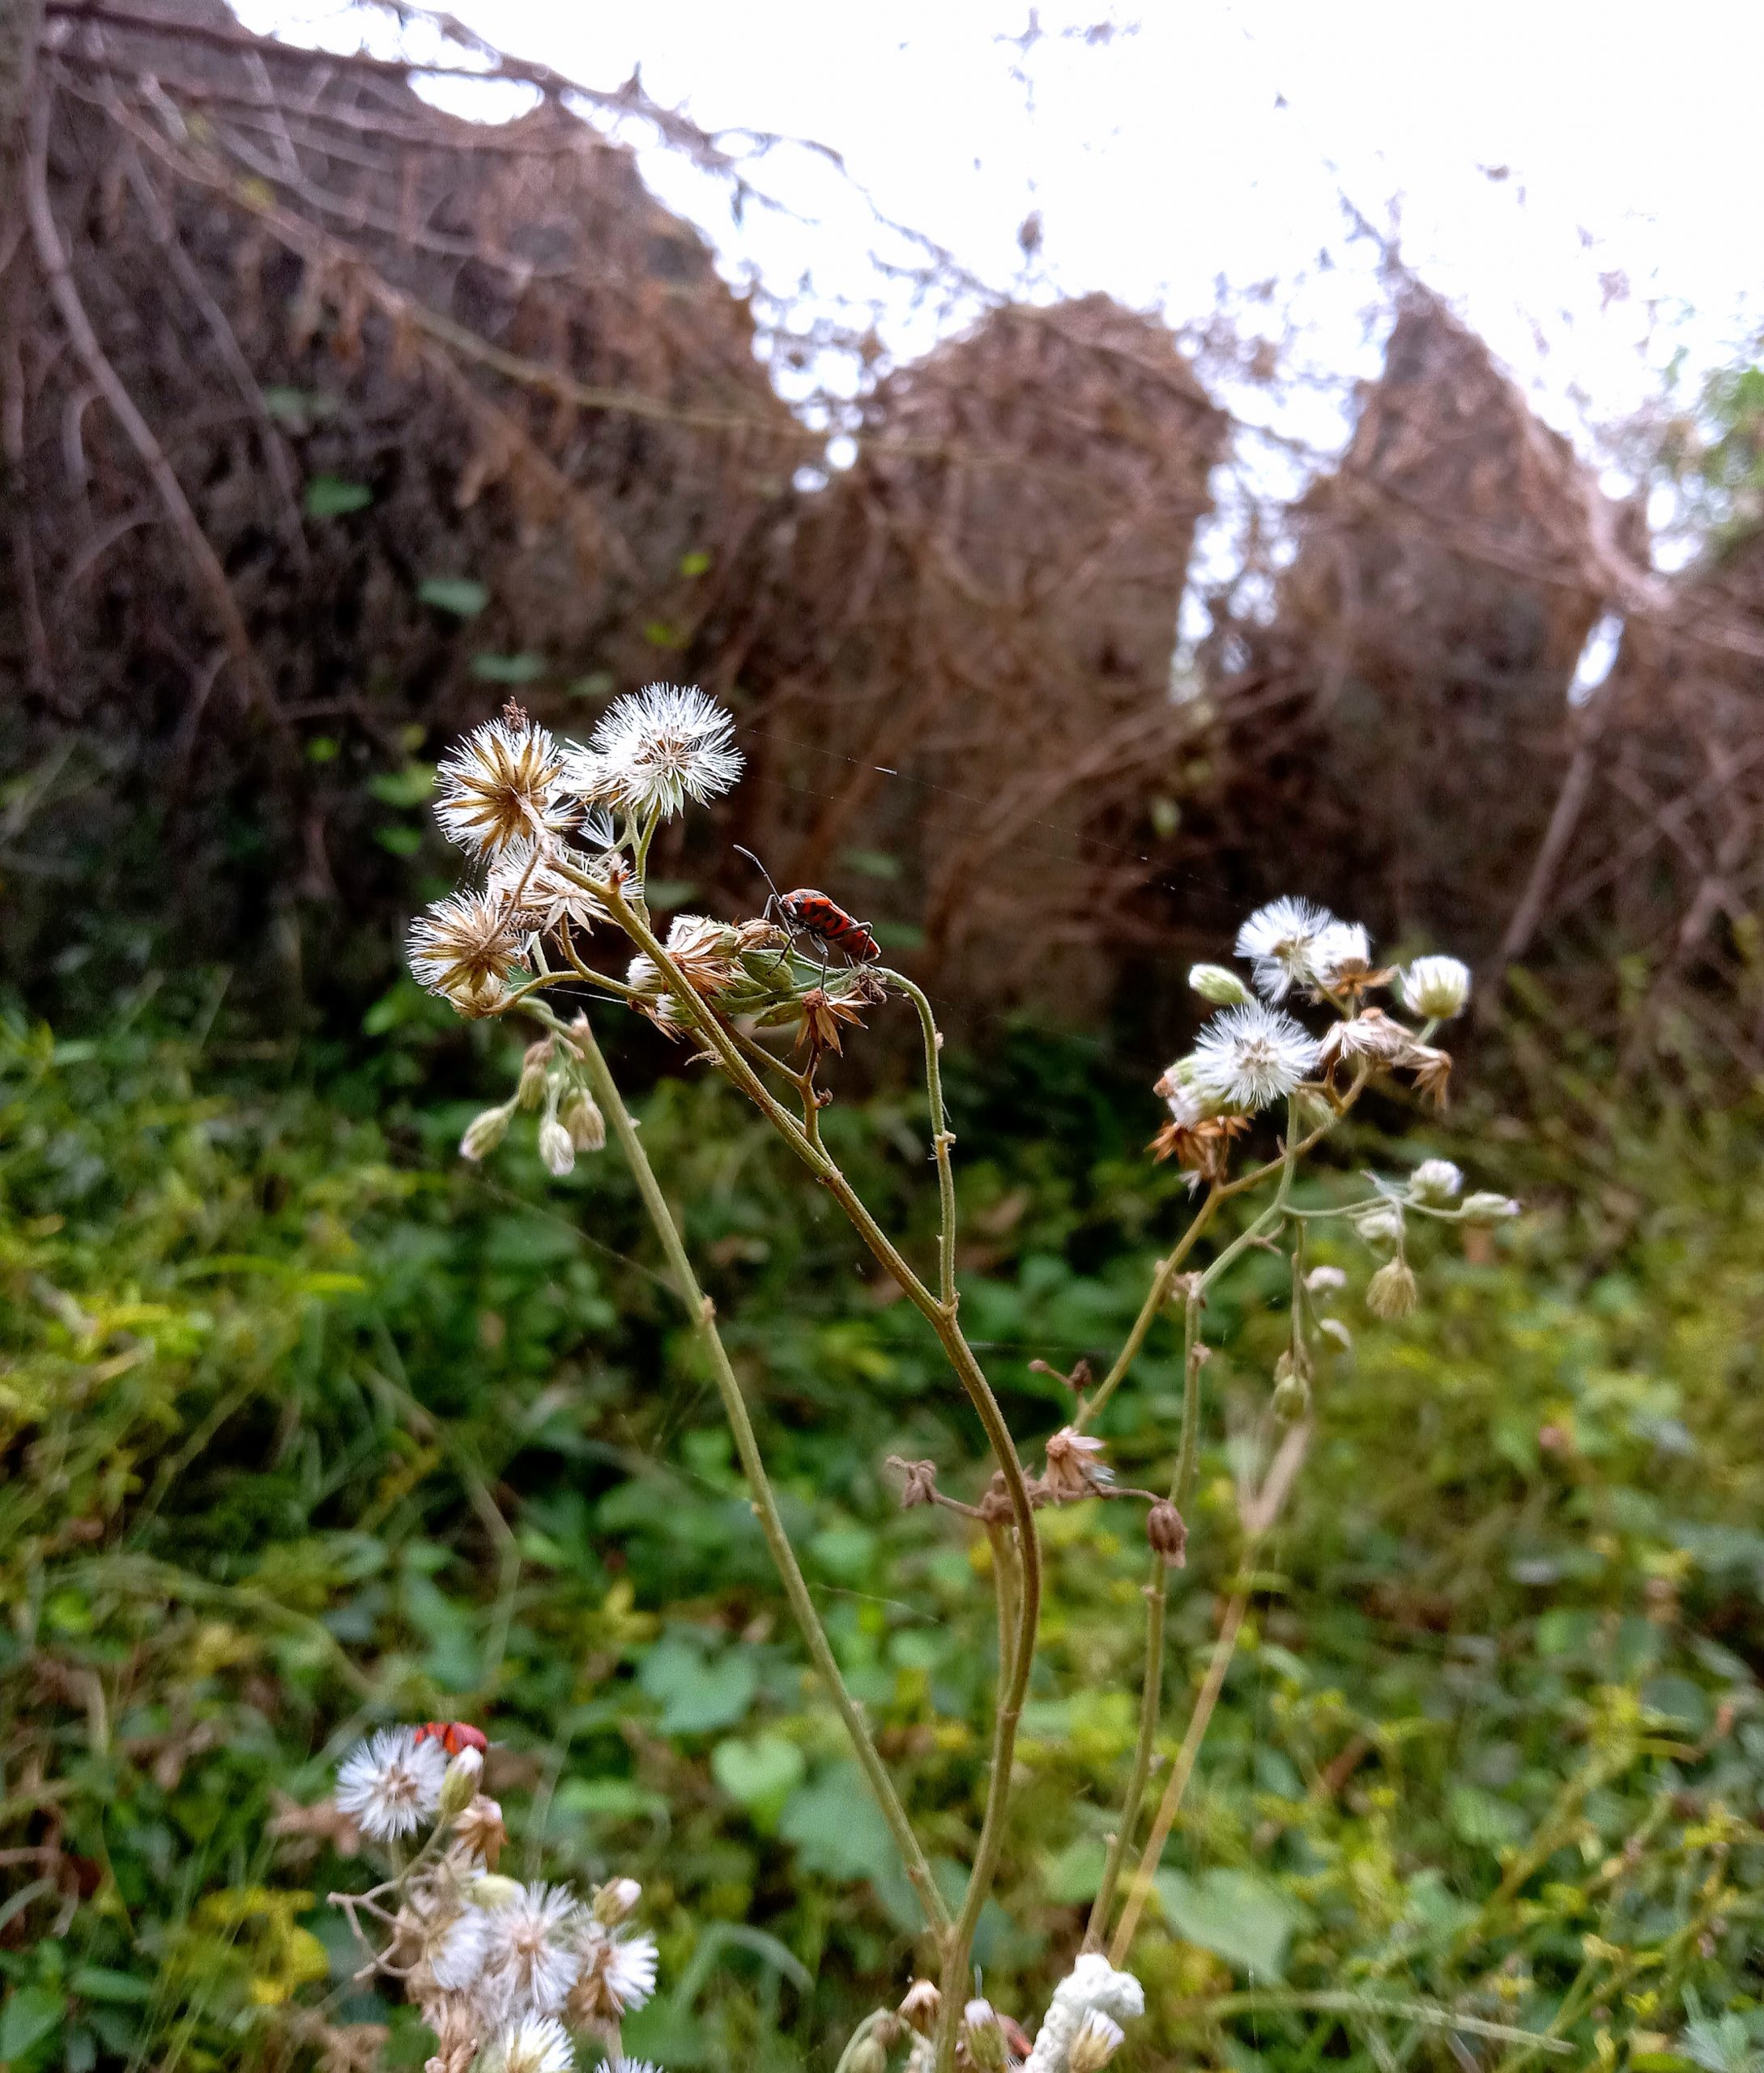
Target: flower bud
{"type": "Point", "coordinates": [868, 2056]}
{"type": "Point", "coordinates": [1295, 1362]}
{"type": "Point", "coordinates": [1291, 1399]}
{"type": "Point", "coordinates": [557, 1147]}
{"type": "Point", "coordinates": [1390, 1292]}
{"type": "Point", "coordinates": [1380, 1225]}
{"type": "Point", "coordinates": [1488, 1208]}
{"type": "Point", "coordinates": [484, 1133]}
{"type": "Point", "coordinates": [1321, 1279]}
{"type": "Point", "coordinates": [1434, 1183]}
{"type": "Point", "coordinates": [490, 1889]}
{"type": "Point", "coordinates": [531, 1090]}
{"type": "Point", "coordinates": [1435, 987]}
{"type": "Point", "coordinates": [919, 2005]}
{"type": "Point", "coordinates": [1168, 1534]}
{"type": "Point", "coordinates": [1099, 2038]}
{"type": "Point", "coordinates": [581, 1116]}
{"type": "Point", "coordinates": [1315, 1111]}
{"type": "Point", "coordinates": [1219, 984]}
{"type": "Point", "coordinates": [985, 2036]}
{"type": "Point", "coordinates": [616, 1902]}
{"type": "Point", "coordinates": [459, 1786]}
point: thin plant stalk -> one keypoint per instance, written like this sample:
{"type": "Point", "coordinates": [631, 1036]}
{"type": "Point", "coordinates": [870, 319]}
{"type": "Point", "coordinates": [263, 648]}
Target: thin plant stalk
{"type": "Point", "coordinates": [701, 1312]}
{"type": "Point", "coordinates": [969, 1372]}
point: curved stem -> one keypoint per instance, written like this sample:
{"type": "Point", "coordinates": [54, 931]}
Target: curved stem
{"type": "Point", "coordinates": [1163, 1281]}
{"type": "Point", "coordinates": [942, 1137]}
{"type": "Point", "coordinates": [1157, 1615]}
{"type": "Point", "coordinates": [969, 1373]}
{"type": "Point", "coordinates": [872, 2022]}
{"type": "Point", "coordinates": [700, 1309]}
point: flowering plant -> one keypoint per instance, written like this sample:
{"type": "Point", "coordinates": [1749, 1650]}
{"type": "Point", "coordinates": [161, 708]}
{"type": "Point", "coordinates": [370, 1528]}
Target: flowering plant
{"type": "Point", "coordinates": [505, 1973]}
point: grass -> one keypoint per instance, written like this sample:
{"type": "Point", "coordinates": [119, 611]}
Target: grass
{"type": "Point", "coordinates": [306, 1426]}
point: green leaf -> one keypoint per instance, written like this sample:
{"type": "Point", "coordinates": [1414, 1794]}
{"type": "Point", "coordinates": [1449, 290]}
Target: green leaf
{"type": "Point", "coordinates": [698, 1693]}
{"type": "Point", "coordinates": [1073, 1875]}
{"type": "Point", "coordinates": [1481, 1819]}
{"type": "Point", "coordinates": [759, 1775]}
{"type": "Point", "coordinates": [329, 496]}
{"type": "Point", "coordinates": [1235, 1914]}
{"type": "Point", "coordinates": [508, 669]}
{"type": "Point", "coordinates": [871, 863]}
{"type": "Point", "coordinates": [697, 563]}
{"type": "Point", "coordinates": [460, 595]}
{"type": "Point", "coordinates": [100, 1983]}
{"type": "Point", "coordinates": [659, 634]}
{"type": "Point", "coordinates": [31, 2015]}
{"type": "Point", "coordinates": [837, 1827]}
{"type": "Point", "coordinates": [408, 787]}
{"type": "Point", "coordinates": [400, 841]}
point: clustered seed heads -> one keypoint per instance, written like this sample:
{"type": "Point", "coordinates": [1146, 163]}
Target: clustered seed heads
{"type": "Point", "coordinates": [507, 1975]}
{"type": "Point", "coordinates": [562, 831]}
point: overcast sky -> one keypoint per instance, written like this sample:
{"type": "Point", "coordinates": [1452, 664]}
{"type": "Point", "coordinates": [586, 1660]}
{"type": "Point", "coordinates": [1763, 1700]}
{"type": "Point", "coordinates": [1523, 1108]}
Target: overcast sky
{"type": "Point", "coordinates": [1573, 179]}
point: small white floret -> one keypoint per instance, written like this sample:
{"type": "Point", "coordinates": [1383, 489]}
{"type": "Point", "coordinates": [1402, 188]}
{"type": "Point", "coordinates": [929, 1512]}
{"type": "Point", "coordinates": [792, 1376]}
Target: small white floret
{"type": "Point", "coordinates": [391, 1783]}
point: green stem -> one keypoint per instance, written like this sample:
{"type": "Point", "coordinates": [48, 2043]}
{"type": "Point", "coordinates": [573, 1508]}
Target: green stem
{"type": "Point", "coordinates": [700, 1310]}
{"type": "Point", "coordinates": [942, 1137]}
{"type": "Point", "coordinates": [1156, 1297]}
{"type": "Point", "coordinates": [1157, 1617]}
{"type": "Point", "coordinates": [969, 1373]}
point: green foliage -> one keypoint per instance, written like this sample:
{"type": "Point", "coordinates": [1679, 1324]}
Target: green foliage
{"type": "Point", "coordinates": [307, 1425]}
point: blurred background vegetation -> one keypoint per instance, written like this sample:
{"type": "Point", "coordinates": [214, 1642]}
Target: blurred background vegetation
{"type": "Point", "coordinates": [304, 1425]}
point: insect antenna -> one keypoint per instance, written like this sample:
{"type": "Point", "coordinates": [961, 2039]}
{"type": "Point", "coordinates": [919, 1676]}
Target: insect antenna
{"type": "Point", "coordinates": [759, 867]}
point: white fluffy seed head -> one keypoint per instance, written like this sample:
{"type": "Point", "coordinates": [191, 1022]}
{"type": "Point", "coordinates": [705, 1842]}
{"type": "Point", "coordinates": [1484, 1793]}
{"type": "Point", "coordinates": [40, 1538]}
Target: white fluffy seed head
{"type": "Point", "coordinates": [1339, 952]}
{"type": "Point", "coordinates": [1246, 1056]}
{"type": "Point", "coordinates": [530, 2043]}
{"type": "Point", "coordinates": [1437, 987]}
{"type": "Point", "coordinates": [529, 1963]}
{"type": "Point", "coordinates": [391, 1783]}
{"type": "Point", "coordinates": [1277, 940]}
{"type": "Point", "coordinates": [654, 750]}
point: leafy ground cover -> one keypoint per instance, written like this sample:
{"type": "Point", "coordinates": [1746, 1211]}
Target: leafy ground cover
{"type": "Point", "coordinates": [304, 1425]}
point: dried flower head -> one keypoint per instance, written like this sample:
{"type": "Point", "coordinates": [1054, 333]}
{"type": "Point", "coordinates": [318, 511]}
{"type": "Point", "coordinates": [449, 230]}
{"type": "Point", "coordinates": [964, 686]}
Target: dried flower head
{"type": "Point", "coordinates": [1390, 1292]}
{"type": "Point", "coordinates": [532, 2044]}
{"type": "Point", "coordinates": [1341, 958]}
{"type": "Point", "coordinates": [1074, 1467]}
{"type": "Point", "coordinates": [580, 1114]}
{"type": "Point", "coordinates": [479, 1829]}
{"type": "Point", "coordinates": [1245, 1057]}
{"type": "Point", "coordinates": [656, 749]}
{"type": "Point", "coordinates": [532, 880]}
{"type": "Point", "coordinates": [918, 1482]}
{"type": "Point", "coordinates": [1277, 940]}
{"type": "Point", "coordinates": [499, 786]}
{"type": "Point", "coordinates": [822, 1012]}
{"type": "Point", "coordinates": [1436, 987]}
{"type": "Point", "coordinates": [919, 2006]}
{"type": "Point", "coordinates": [1167, 1530]}
{"type": "Point", "coordinates": [461, 948]}
{"type": "Point", "coordinates": [531, 1962]}
{"type": "Point", "coordinates": [617, 1974]}
{"type": "Point", "coordinates": [391, 1783]}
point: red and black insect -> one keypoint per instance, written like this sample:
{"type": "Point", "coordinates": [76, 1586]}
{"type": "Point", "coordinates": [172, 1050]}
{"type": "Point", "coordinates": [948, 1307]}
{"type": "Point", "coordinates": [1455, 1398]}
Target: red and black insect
{"type": "Point", "coordinates": [807, 912]}
{"type": "Point", "coordinates": [454, 1735]}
